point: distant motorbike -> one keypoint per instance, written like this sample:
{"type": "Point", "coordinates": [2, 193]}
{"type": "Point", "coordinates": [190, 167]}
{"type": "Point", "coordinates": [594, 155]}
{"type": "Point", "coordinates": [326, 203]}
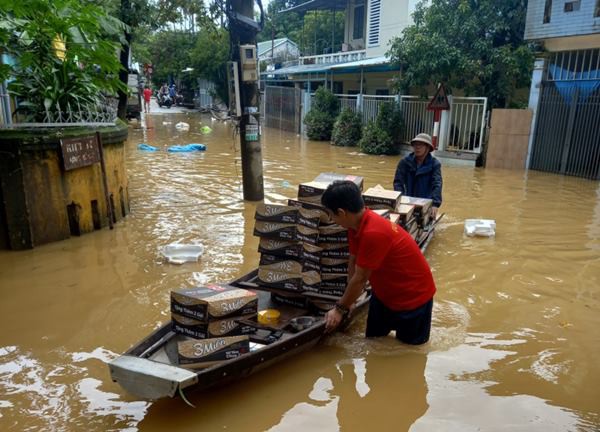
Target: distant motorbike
{"type": "Point", "coordinates": [164, 100]}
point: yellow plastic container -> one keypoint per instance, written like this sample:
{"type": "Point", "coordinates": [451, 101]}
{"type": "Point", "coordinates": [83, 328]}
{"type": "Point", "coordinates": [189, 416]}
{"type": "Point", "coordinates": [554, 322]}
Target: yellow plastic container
{"type": "Point", "coordinates": [268, 316]}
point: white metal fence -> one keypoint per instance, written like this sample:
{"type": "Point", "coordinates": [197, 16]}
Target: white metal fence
{"type": "Point", "coordinates": [465, 127]}
{"type": "Point", "coordinates": [461, 130]}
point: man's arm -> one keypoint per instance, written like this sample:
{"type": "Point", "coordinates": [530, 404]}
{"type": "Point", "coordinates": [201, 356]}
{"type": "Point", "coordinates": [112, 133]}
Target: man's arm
{"type": "Point", "coordinates": [351, 265]}
{"type": "Point", "coordinates": [353, 291]}
{"type": "Point", "coordinates": [436, 188]}
{"type": "Point", "coordinates": [399, 178]}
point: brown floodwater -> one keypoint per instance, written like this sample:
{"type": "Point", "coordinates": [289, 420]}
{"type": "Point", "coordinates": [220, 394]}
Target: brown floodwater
{"type": "Point", "coordinates": [515, 341]}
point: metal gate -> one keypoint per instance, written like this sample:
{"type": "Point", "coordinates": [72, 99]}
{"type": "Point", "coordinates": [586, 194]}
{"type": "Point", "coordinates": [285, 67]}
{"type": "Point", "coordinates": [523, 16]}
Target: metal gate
{"type": "Point", "coordinates": [282, 108]}
{"type": "Point", "coordinates": [566, 139]}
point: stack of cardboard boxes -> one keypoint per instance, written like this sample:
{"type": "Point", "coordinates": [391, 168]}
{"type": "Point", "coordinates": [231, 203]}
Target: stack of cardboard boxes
{"type": "Point", "coordinates": [410, 213]}
{"type": "Point", "coordinates": [210, 318]}
{"type": "Point", "coordinates": [301, 249]}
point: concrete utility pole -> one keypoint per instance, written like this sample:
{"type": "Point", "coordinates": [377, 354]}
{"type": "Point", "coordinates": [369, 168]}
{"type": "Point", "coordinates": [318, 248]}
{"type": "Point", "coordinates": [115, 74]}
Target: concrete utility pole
{"type": "Point", "coordinates": [243, 30]}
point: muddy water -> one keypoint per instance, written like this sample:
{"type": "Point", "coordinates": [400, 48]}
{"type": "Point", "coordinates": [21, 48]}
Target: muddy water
{"type": "Point", "coordinates": [515, 341]}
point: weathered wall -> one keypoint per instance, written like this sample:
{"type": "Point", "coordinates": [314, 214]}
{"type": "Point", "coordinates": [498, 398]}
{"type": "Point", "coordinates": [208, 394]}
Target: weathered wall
{"type": "Point", "coordinates": [37, 191]}
{"type": "Point", "coordinates": [509, 138]}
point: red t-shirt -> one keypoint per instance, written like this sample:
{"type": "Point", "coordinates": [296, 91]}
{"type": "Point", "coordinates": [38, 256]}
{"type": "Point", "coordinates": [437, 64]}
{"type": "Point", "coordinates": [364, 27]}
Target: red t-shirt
{"type": "Point", "coordinates": [400, 275]}
{"type": "Point", "coordinates": [147, 94]}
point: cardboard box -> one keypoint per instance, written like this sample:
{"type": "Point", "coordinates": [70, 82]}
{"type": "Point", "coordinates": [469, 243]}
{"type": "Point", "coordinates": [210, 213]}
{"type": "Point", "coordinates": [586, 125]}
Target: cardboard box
{"type": "Point", "coordinates": [291, 249]}
{"type": "Point", "coordinates": [276, 213]}
{"type": "Point", "coordinates": [422, 205]}
{"type": "Point", "coordinates": [334, 265]}
{"type": "Point", "coordinates": [311, 192]}
{"type": "Point", "coordinates": [336, 292]}
{"type": "Point", "coordinates": [376, 198]}
{"type": "Point", "coordinates": [332, 234]}
{"type": "Point", "coordinates": [334, 281]}
{"type": "Point", "coordinates": [216, 328]}
{"type": "Point", "coordinates": [213, 302]}
{"type": "Point", "coordinates": [309, 218]}
{"type": "Point", "coordinates": [394, 218]}
{"type": "Point", "coordinates": [307, 235]}
{"type": "Point", "coordinates": [331, 177]}
{"type": "Point", "coordinates": [286, 264]}
{"type": "Point", "coordinates": [383, 212]}
{"type": "Point", "coordinates": [335, 250]}
{"type": "Point", "coordinates": [287, 281]}
{"type": "Point", "coordinates": [275, 230]}
{"type": "Point", "coordinates": [207, 352]}
{"type": "Point", "coordinates": [406, 212]}
{"type": "Point", "coordinates": [325, 219]}
{"type": "Point", "coordinates": [298, 301]}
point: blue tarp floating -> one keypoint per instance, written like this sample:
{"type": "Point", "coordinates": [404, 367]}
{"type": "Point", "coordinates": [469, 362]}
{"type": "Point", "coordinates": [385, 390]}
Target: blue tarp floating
{"type": "Point", "coordinates": [146, 147]}
{"type": "Point", "coordinates": [186, 148]}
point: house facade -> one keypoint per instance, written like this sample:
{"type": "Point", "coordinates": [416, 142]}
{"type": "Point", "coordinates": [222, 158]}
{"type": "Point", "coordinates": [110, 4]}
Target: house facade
{"type": "Point", "coordinates": [277, 51]}
{"type": "Point", "coordinates": [565, 87]}
{"type": "Point", "coordinates": [360, 66]}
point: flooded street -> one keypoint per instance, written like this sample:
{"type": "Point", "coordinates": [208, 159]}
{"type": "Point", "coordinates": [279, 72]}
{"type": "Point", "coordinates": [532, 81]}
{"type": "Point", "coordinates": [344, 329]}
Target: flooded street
{"type": "Point", "coordinates": [515, 341]}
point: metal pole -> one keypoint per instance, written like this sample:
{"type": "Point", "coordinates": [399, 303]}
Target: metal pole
{"type": "Point", "coordinates": [252, 169]}
{"type": "Point", "coordinates": [109, 207]}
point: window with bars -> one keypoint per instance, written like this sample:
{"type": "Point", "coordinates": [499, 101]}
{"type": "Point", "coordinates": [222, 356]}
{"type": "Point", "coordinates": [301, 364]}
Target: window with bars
{"type": "Point", "coordinates": [359, 21]}
{"type": "Point", "coordinates": [547, 11]}
{"type": "Point", "coordinates": [374, 22]}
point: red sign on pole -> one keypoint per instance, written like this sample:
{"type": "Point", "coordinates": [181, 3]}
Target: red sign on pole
{"type": "Point", "coordinates": [439, 102]}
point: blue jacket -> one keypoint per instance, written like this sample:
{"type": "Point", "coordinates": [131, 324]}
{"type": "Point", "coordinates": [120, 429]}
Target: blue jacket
{"type": "Point", "coordinates": [424, 181]}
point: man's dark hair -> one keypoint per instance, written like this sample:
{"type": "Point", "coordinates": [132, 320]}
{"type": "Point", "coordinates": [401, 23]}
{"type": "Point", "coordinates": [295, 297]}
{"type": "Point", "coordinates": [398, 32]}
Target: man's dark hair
{"type": "Point", "coordinates": [343, 194]}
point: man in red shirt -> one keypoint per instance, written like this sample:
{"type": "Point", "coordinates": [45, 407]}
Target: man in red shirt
{"type": "Point", "coordinates": [382, 253]}
{"type": "Point", "coordinates": [147, 96]}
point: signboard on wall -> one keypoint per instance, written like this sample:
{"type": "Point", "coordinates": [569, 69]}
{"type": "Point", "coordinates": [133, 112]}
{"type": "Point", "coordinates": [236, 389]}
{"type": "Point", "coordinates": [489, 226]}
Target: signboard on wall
{"type": "Point", "coordinates": [79, 152]}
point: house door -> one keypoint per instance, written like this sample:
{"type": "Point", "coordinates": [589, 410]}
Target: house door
{"type": "Point", "coordinates": [566, 139]}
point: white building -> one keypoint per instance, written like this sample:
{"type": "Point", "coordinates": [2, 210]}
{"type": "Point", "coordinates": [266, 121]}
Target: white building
{"type": "Point", "coordinates": [360, 66]}
{"type": "Point", "coordinates": [565, 87]}
{"type": "Point", "coordinates": [277, 50]}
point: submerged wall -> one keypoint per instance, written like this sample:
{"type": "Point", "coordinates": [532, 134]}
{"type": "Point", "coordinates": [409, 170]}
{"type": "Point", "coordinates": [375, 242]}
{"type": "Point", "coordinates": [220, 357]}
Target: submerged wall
{"type": "Point", "coordinates": [41, 202]}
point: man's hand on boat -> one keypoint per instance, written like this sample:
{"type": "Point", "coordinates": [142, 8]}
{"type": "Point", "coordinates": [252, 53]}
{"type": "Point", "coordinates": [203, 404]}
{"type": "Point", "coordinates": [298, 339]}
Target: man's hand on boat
{"type": "Point", "coordinates": [333, 318]}
{"type": "Point", "coordinates": [358, 280]}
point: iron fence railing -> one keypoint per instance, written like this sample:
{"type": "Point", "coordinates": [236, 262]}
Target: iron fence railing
{"type": "Point", "coordinates": [102, 113]}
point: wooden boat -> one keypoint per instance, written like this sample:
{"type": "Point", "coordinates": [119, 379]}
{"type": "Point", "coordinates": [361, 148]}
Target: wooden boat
{"type": "Point", "coordinates": [149, 368]}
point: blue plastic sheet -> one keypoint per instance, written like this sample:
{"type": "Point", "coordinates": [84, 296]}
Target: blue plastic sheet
{"type": "Point", "coordinates": [146, 147]}
{"type": "Point", "coordinates": [186, 148]}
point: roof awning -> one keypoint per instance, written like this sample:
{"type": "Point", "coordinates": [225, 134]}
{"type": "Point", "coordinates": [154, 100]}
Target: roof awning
{"type": "Point", "coordinates": [300, 69]}
{"type": "Point", "coordinates": [375, 64]}
{"type": "Point", "coordinates": [364, 63]}
{"type": "Point", "coordinates": [337, 5]}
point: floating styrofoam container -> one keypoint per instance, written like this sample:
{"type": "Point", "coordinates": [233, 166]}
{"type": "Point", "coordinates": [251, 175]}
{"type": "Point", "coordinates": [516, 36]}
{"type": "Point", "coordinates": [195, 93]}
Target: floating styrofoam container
{"type": "Point", "coordinates": [178, 253]}
{"type": "Point", "coordinates": [480, 227]}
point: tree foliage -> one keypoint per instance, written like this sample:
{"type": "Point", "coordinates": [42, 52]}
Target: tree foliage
{"type": "Point", "coordinates": [347, 129]}
{"type": "Point", "coordinates": [319, 120]}
{"type": "Point", "coordinates": [313, 31]}
{"type": "Point", "coordinates": [64, 54]}
{"type": "Point", "coordinates": [475, 45]}
{"type": "Point", "coordinates": [383, 135]}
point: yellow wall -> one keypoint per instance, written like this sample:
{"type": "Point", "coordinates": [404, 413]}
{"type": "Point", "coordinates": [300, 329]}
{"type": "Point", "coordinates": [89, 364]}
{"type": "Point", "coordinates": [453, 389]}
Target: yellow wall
{"type": "Point", "coordinates": [48, 189]}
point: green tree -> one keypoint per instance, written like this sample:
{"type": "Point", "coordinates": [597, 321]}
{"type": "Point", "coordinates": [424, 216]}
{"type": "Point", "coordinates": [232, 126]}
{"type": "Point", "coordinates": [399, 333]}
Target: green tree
{"type": "Point", "coordinates": [347, 129]}
{"type": "Point", "coordinates": [311, 30]}
{"type": "Point", "coordinates": [209, 57]}
{"type": "Point", "coordinates": [475, 45]}
{"type": "Point", "coordinates": [319, 120]}
{"type": "Point", "coordinates": [64, 52]}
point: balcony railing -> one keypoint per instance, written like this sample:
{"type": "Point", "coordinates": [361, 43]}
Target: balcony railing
{"type": "Point", "coordinates": [338, 57]}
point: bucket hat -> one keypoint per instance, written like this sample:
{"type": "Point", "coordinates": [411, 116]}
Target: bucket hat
{"type": "Point", "coordinates": [424, 138]}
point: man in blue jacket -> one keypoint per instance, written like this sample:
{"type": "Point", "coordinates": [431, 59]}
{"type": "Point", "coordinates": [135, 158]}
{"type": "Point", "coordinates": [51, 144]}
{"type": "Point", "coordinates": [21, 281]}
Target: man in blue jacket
{"type": "Point", "coordinates": [420, 174]}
